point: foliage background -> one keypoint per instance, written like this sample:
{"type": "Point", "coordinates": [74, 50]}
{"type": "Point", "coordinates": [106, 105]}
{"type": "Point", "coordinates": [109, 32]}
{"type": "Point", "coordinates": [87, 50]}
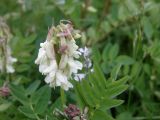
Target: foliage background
{"type": "Point", "coordinates": [123, 34]}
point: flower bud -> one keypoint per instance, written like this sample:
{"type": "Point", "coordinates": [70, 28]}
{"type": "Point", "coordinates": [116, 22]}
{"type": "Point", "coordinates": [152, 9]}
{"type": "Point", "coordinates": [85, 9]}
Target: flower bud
{"type": "Point", "coordinates": [4, 91]}
{"type": "Point", "coordinates": [72, 111]}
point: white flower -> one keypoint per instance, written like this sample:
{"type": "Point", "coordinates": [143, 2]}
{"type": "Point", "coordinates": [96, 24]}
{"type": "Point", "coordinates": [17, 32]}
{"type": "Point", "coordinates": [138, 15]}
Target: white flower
{"type": "Point", "coordinates": [86, 55]}
{"type": "Point", "coordinates": [47, 51]}
{"type": "Point", "coordinates": [57, 57]}
{"type": "Point", "coordinates": [62, 80]}
{"type": "Point", "coordinates": [6, 60]}
{"type": "Point", "coordinates": [85, 51]}
{"type": "Point", "coordinates": [79, 77]}
{"type": "Point", "coordinates": [63, 62]}
{"type": "Point", "coordinates": [9, 66]}
{"type": "Point", "coordinates": [58, 78]}
{"type": "Point", "coordinates": [41, 55]}
{"type": "Point", "coordinates": [46, 58]}
{"type": "Point", "coordinates": [74, 65]}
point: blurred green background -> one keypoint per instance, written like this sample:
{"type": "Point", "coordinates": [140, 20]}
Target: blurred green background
{"type": "Point", "coordinates": [118, 31]}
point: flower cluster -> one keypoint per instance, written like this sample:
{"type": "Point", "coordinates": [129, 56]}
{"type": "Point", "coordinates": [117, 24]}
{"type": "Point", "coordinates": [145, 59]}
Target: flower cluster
{"type": "Point", "coordinates": [58, 55]}
{"type": "Point", "coordinates": [72, 111]}
{"type": "Point", "coordinates": [4, 90]}
{"type": "Point", "coordinates": [6, 60]}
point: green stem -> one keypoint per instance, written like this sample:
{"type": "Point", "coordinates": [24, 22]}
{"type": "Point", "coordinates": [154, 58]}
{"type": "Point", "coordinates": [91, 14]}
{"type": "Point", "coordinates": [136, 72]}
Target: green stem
{"type": "Point", "coordinates": [84, 10]}
{"type": "Point", "coordinates": [137, 44]}
{"type": "Point", "coordinates": [129, 98]}
{"type": "Point", "coordinates": [62, 96]}
{"type": "Point", "coordinates": [37, 117]}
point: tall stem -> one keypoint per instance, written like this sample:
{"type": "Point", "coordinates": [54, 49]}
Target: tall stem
{"type": "Point", "coordinates": [63, 100]}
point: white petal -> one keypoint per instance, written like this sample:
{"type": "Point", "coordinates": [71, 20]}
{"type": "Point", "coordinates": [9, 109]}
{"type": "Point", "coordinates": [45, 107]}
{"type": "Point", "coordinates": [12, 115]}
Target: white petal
{"type": "Point", "coordinates": [51, 67]}
{"type": "Point", "coordinates": [60, 78]}
{"type": "Point", "coordinates": [10, 69]}
{"type": "Point", "coordinates": [42, 68]}
{"type": "Point", "coordinates": [49, 50]}
{"type": "Point", "coordinates": [86, 52]}
{"type": "Point", "coordinates": [75, 65]}
{"type": "Point", "coordinates": [79, 77]}
{"type": "Point", "coordinates": [63, 61]}
{"type": "Point", "coordinates": [41, 54]}
{"type": "Point", "coordinates": [67, 86]}
{"type": "Point", "coordinates": [48, 79]}
{"type": "Point", "coordinates": [81, 50]}
{"type": "Point", "coordinates": [76, 54]}
{"type": "Point", "coordinates": [13, 60]}
{"type": "Point", "coordinates": [76, 36]}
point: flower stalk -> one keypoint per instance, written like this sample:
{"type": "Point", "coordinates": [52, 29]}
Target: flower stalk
{"type": "Point", "coordinates": [6, 60]}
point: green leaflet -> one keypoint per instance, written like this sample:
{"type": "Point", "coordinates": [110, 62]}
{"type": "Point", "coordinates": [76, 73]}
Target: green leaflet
{"type": "Point", "coordinates": [43, 98]}
{"type": "Point", "coordinates": [5, 106]}
{"type": "Point", "coordinates": [34, 105]}
{"type": "Point", "coordinates": [97, 93]}
{"type": "Point", "coordinates": [26, 110]}
{"type": "Point", "coordinates": [33, 87]}
{"type": "Point", "coordinates": [98, 114]}
{"type": "Point", "coordinates": [19, 93]}
{"type": "Point", "coordinates": [125, 60]}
